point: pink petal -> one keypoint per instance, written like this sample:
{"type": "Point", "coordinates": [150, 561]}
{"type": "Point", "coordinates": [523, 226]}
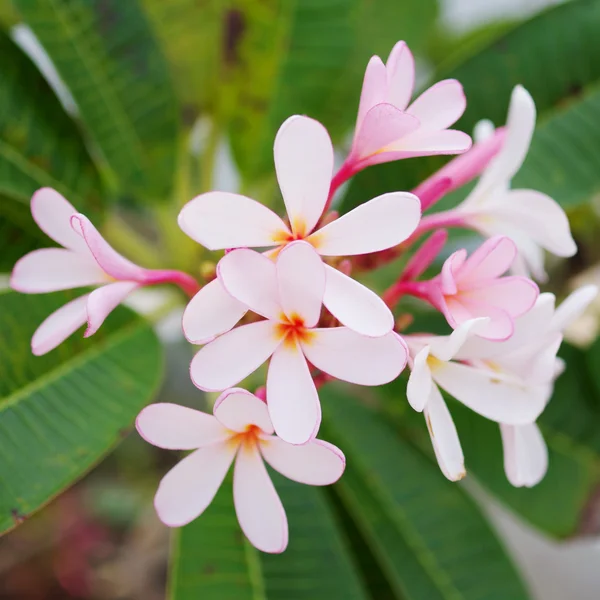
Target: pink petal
{"type": "Point", "coordinates": [355, 305]}
{"type": "Point", "coordinates": [352, 357]}
{"type": "Point", "coordinates": [53, 213]}
{"type": "Point", "coordinates": [257, 505]}
{"type": "Point", "coordinates": [292, 397]}
{"type": "Point", "coordinates": [515, 295]}
{"type": "Point", "coordinates": [492, 259]}
{"type": "Point", "coordinates": [223, 363]}
{"type": "Point", "coordinates": [301, 282]}
{"type": "Point", "coordinates": [315, 463]}
{"type": "Point", "coordinates": [400, 68]}
{"type": "Point", "coordinates": [104, 300]}
{"type": "Point", "coordinates": [373, 88]}
{"type": "Point", "coordinates": [304, 164]}
{"type": "Point", "coordinates": [251, 278]}
{"type": "Point", "coordinates": [426, 143]}
{"type": "Point", "coordinates": [444, 437]}
{"type": "Point", "coordinates": [237, 408]}
{"type": "Point", "coordinates": [382, 126]}
{"type": "Point", "coordinates": [439, 106]}
{"type": "Point", "coordinates": [448, 346]}
{"type": "Point", "coordinates": [499, 325]}
{"type": "Point", "coordinates": [221, 220]}
{"type": "Point", "coordinates": [176, 427]}
{"type": "Point", "coordinates": [379, 224]}
{"type": "Point", "coordinates": [190, 486]}
{"type": "Point", "coordinates": [53, 269]}
{"type": "Point", "coordinates": [56, 328]}
{"type": "Point", "coordinates": [425, 255]}
{"type": "Point", "coordinates": [573, 306]}
{"type": "Point", "coordinates": [525, 454]}
{"type": "Point", "coordinates": [419, 384]}
{"type": "Point", "coordinates": [450, 270]}
{"type": "Point", "coordinates": [492, 395]}
{"type": "Point", "coordinates": [211, 312]}
{"type": "Point", "coordinates": [109, 259]}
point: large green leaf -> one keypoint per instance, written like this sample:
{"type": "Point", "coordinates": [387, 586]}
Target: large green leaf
{"type": "Point", "coordinates": [429, 537]}
{"type": "Point", "coordinates": [106, 54]}
{"type": "Point", "coordinates": [213, 560]}
{"type": "Point", "coordinates": [560, 71]}
{"type": "Point", "coordinates": [60, 413]}
{"type": "Point", "coordinates": [286, 57]}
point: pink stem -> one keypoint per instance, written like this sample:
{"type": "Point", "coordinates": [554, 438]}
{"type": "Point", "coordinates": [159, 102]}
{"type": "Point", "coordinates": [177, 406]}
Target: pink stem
{"type": "Point", "coordinates": [425, 255]}
{"type": "Point", "coordinates": [447, 218]}
{"type": "Point", "coordinates": [186, 282]}
{"type": "Point", "coordinates": [347, 170]}
{"type": "Point", "coordinates": [419, 289]}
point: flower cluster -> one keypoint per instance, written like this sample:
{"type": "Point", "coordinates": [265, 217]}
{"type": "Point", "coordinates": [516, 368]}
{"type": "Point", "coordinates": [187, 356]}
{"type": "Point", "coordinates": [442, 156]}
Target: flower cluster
{"type": "Point", "coordinates": [284, 292]}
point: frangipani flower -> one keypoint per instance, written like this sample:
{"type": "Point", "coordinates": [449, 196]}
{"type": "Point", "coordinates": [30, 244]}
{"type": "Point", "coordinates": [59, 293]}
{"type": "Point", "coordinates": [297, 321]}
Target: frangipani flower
{"type": "Point", "coordinates": [304, 163]}
{"type": "Point", "coordinates": [388, 128]}
{"type": "Point", "coordinates": [85, 259]}
{"type": "Point", "coordinates": [239, 431]}
{"type": "Point", "coordinates": [473, 287]}
{"type": "Point", "coordinates": [288, 294]}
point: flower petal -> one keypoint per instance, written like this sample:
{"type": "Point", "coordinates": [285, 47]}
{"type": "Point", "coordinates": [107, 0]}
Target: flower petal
{"type": "Point", "coordinates": [400, 69]}
{"type": "Point", "coordinates": [426, 143]}
{"type": "Point", "coordinates": [373, 89]}
{"type": "Point", "coordinates": [514, 295]}
{"type": "Point", "coordinates": [376, 225]}
{"type": "Point", "coordinates": [176, 427]}
{"type": "Point", "coordinates": [573, 307]}
{"type": "Point", "coordinates": [56, 328]}
{"type": "Point", "coordinates": [251, 278]}
{"type": "Point", "coordinates": [257, 505]}
{"type": "Point", "coordinates": [448, 346]}
{"type": "Point", "coordinates": [224, 362]}
{"type": "Point", "coordinates": [492, 395]}
{"type": "Point", "coordinates": [349, 356]}
{"type": "Point", "coordinates": [492, 259]}
{"type": "Point", "coordinates": [292, 397]}
{"type": "Point", "coordinates": [190, 486]}
{"type": "Point", "coordinates": [355, 305]}
{"type": "Point", "coordinates": [104, 300]}
{"type": "Point", "coordinates": [301, 282]}
{"type": "Point", "coordinates": [439, 106]}
{"type": "Point", "coordinates": [211, 312]}
{"type": "Point", "coordinates": [107, 257]}
{"type": "Point", "coordinates": [525, 454]}
{"type": "Point", "coordinates": [499, 325]}
{"type": "Point", "coordinates": [221, 220]}
{"type": "Point", "coordinates": [237, 408]}
{"type": "Point", "coordinates": [52, 212]}
{"type": "Point", "coordinates": [419, 385]}
{"type": "Point", "coordinates": [304, 164]}
{"type": "Point", "coordinates": [53, 269]}
{"type": "Point", "coordinates": [315, 463]}
{"type": "Point", "coordinates": [444, 437]}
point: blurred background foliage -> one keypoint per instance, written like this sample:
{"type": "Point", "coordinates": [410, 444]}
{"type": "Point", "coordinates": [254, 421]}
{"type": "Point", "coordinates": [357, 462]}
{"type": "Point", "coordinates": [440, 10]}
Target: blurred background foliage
{"type": "Point", "coordinates": [130, 108]}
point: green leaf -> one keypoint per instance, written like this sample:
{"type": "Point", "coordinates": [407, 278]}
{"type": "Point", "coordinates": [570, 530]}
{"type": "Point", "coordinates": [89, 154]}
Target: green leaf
{"type": "Point", "coordinates": [305, 57]}
{"type": "Point", "coordinates": [213, 560]}
{"type": "Point", "coordinates": [106, 54]}
{"type": "Point", "coordinates": [429, 537]}
{"type": "Point", "coordinates": [62, 412]}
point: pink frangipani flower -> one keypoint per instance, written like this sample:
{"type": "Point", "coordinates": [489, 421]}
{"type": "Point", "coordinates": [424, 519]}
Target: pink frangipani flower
{"type": "Point", "coordinates": [389, 128]}
{"type": "Point", "coordinates": [85, 259]}
{"type": "Point", "coordinates": [239, 431]}
{"type": "Point", "coordinates": [288, 293]}
{"type": "Point", "coordinates": [304, 164]}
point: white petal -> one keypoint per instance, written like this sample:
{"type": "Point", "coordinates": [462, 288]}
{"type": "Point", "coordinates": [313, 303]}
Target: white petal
{"type": "Point", "coordinates": [304, 165]}
{"type": "Point", "coordinates": [233, 356]}
{"type": "Point", "coordinates": [355, 305]}
{"type": "Point", "coordinates": [494, 396]}
{"type": "Point", "coordinates": [573, 306]}
{"type": "Point", "coordinates": [211, 312]}
{"type": "Point", "coordinates": [221, 220]}
{"type": "Point", "coordinates": [427, 143]}
{"type": "Point", "coordinates": [356, 358]}
{"type": "Point", "coordinates": [102, 301]}
{"type": "Point", "coordinates": [257, 505]}
{"type": "Point", "coordinates": [56, 328]}
{"type": "Point", "coordinates": [444, 437]}
{"type": "Point", "coordinates": [237, 408]}
{"type": "Point", "coordinates": [446, 347]}
{"type": "Point", "coordinates": [301, 282]}
{"type": "Point", "coordinates": [376, 225]}
{"type": "Point", "coordinates": [525, 454]}
{"type": "Point", "coordinates": [439, 106]}
{"type": "Point", "coordinates": [251, 279]}
{"type": "Point", "coordinates": [53, 269]}
{"type": "Point", "coordinates": [190, 486]}
{"type": "Point", "coordinates": [52, 212]}
{"type": "Point", "coordinates": [315, 463]}
{"type": "Point", "coordinates": [419, 385]}
{"type": "Point", "coordinates": [176, 427]}
{"type": "Point", "coordinates": [292, 397]}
